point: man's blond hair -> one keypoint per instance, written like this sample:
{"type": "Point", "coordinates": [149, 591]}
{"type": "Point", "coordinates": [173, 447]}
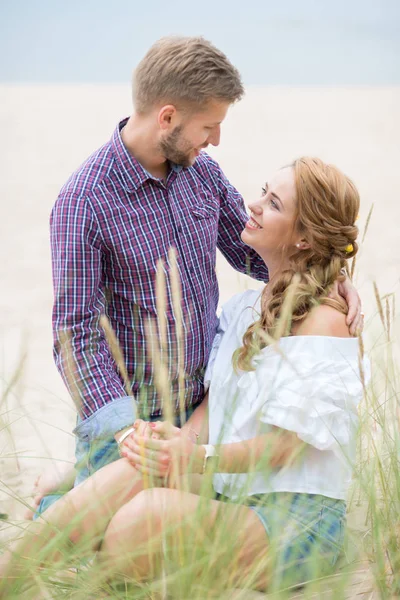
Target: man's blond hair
{"type": "Point", "coordinates": [186, 71]}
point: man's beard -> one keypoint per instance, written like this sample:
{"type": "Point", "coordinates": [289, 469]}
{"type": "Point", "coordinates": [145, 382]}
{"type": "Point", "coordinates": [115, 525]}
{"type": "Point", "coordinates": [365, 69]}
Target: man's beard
{"type": "Point", "coordinates": [176, 149]}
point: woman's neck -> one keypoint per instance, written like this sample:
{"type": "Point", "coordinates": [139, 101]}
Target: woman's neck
{"type": "Point", "coordinates": [276, 267]}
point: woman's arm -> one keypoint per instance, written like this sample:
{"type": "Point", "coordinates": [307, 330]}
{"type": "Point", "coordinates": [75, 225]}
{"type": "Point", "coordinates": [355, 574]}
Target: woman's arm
{"type": "Point", "coordinates": [157, 457]}
{"type": "Point", "coordinates": [197, 425]}
{"type": "Point", "coordinates": [272, 450]}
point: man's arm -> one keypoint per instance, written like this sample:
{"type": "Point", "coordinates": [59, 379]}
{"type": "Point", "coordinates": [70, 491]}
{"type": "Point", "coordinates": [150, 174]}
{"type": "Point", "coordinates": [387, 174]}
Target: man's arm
{"type": "Point", "coordinates": [232, 219]}
{"type": "Point", "coordinates": [81, 352]}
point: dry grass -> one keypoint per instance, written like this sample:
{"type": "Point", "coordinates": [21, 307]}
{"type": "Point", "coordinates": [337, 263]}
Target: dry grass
{"type": "Point", "coordinates": [371, 567]}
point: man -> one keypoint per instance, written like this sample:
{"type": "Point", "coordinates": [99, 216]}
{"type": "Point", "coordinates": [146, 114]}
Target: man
{"type": "Point", "coordinates": [150, 188]}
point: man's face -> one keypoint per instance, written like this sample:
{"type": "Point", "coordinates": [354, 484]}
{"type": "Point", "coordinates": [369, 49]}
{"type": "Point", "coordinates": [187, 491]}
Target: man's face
{"type": "Point", "coordinates": [191, 134]}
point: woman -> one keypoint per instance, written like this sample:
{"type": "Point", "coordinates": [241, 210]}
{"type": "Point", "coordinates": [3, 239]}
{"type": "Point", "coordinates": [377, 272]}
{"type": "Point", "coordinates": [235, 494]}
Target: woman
{"type": "Point", "coordinates": [282, 417]}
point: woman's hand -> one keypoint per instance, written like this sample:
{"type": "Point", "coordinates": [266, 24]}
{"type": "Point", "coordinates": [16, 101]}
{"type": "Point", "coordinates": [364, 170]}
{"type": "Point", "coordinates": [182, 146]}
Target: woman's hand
{"type": "Point", "coordinates": [173, 453]}
{"type": "Point", "coordinates": [164, 430]}
{"type": "Point", "coordinates": [142, 429]}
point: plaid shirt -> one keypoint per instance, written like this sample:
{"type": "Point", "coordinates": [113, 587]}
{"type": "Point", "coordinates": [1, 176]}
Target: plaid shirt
{"type": "Point", "coordinates": [110, 225]}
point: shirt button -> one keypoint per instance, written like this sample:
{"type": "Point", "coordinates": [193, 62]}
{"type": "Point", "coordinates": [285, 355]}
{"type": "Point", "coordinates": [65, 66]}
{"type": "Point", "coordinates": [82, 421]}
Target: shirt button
{"type": "Point", "coordinates": [191, 269]}
{"type": "Point", "coordinates": [179, 228]}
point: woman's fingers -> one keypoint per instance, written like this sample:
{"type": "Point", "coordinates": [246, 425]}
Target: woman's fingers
{"type": "Point", "coordinates": [135, 459]}
{"type": "Point", "coordinates": [139, 448]}
{"type": "Point", "coordinates": [165, 429]}
{"type": "Point", "coordinates": [148, 454]}
{"type": "Point", "coordinates": [156, 429]}
{"type": "Point", "coordinates": [144, 443]}
{"type": "Point", "coordinates": [156, 467]}
{"type": "Point", "coordinates": [128, 454]}
{"type": "Point", "coordinates": [142, 428]}
{"type": "Point", "coordinates": [152, 472]}
{"type": "Point", "coordinates": [149, 443]}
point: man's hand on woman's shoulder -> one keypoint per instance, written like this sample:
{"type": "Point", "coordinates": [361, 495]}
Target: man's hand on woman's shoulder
{"type": "Point", "coordinates": [355, 318]}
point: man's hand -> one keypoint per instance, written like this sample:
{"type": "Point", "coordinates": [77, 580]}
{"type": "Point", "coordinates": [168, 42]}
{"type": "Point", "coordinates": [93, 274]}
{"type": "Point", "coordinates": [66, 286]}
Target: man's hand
{"type": "Point", "coordinates": [142, 428]}
{"type": "Point", "coordinates": [120, 433]}
{"type": "Point", "coordinates": [355, 318]}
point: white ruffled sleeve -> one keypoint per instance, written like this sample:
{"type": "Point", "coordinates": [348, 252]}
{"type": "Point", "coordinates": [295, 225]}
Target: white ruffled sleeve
{"type": "Point", "coordinates": [229, 310]}
{"type": "Point", "coordinates": [316, 398]}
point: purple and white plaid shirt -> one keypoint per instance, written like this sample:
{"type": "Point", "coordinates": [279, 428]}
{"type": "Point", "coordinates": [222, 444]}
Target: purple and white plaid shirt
{"type": "Point", "coordinates": [110, 225]}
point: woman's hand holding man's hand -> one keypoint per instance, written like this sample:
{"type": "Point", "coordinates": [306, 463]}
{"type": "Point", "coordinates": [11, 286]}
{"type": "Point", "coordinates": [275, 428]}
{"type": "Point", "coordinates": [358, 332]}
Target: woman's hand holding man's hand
{"type": "Point", "coordinates": [160, 449]}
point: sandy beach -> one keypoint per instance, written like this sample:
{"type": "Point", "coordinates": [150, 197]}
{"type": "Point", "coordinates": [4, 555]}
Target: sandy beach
{"type": "Point", "coordinates": [47, 131]}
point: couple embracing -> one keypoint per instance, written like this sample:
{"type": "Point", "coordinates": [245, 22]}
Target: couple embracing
{"type": "Point", "coordinates": [271, 387]}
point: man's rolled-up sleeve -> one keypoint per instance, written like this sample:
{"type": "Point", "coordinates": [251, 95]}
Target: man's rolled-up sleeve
{"type": "Point", "coordinates": [233, 217]}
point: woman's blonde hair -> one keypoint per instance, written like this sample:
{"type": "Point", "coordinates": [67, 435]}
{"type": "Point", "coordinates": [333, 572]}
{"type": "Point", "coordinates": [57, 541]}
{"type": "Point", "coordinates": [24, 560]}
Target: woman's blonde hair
{"type": "Point", "coordinates": [327, 205]}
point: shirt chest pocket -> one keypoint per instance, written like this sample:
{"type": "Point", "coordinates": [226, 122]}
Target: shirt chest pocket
{"type": "Point", "coordinates": [206, 207]}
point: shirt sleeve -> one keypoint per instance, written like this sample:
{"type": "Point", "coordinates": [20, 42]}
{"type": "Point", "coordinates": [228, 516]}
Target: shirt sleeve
{"type": "Point", "coordinates": [80, 350]}
{"type": "Point", "coordinates": [232, 220]}
{"type": "Point", "coordinates": [317, 399]}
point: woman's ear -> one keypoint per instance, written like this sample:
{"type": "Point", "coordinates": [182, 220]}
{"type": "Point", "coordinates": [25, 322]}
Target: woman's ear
{"type": "Point", "coordinates": [302, 245]}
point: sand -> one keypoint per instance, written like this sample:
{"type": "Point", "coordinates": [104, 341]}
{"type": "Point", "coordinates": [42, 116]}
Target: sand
{"type": "Point", "coordinates": [48, 131]}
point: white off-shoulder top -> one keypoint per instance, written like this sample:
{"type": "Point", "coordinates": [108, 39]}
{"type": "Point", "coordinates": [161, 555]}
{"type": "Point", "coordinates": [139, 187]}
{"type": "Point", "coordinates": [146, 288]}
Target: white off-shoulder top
{"type": "Point", "coordinates": [311, 387]}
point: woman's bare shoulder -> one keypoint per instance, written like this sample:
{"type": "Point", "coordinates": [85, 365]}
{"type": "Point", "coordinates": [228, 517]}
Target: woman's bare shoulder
{"type": "Point", "coordinates": [324, 320]}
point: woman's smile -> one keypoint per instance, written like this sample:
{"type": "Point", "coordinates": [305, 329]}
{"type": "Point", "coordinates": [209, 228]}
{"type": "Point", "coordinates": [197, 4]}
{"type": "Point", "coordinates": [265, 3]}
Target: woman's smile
{"type": "Point", "coordinates": [252, 224]}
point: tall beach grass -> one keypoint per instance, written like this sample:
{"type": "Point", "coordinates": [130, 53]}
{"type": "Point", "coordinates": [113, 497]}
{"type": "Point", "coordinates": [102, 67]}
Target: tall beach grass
{"type": "Point", "coordinates": [194, 563]}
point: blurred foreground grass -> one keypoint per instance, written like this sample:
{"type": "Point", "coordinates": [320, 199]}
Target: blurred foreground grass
{"type": "Point", "coordinates": [193, 566]}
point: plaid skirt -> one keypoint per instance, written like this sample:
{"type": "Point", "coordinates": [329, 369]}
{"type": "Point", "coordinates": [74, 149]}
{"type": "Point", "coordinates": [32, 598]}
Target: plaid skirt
{"type": "Point", "coordinates": [305, 533]}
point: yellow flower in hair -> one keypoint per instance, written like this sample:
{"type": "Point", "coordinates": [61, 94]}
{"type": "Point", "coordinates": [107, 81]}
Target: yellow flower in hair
{"type": "Point", "coordinates": [349, 248]}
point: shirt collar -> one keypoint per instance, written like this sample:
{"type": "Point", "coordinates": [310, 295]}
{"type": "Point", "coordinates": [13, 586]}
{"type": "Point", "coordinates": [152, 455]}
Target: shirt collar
{"type": "Point", "coordinates": [132, 172]}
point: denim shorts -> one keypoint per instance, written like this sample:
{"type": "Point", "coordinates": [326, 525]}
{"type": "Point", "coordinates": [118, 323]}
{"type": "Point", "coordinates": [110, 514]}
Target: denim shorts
{"type": "Point", "coordinates": [90, 457]}
{"type": "Point", "coordinates": [305, 534]}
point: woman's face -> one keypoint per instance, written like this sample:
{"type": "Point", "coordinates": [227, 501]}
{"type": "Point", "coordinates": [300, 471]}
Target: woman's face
{"type": "Point", "coordinates": [270, 229]}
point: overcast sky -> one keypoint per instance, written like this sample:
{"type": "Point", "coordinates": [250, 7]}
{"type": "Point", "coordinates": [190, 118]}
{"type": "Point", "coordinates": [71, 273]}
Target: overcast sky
{"type": "Point", "coordinates": [280, 42]}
